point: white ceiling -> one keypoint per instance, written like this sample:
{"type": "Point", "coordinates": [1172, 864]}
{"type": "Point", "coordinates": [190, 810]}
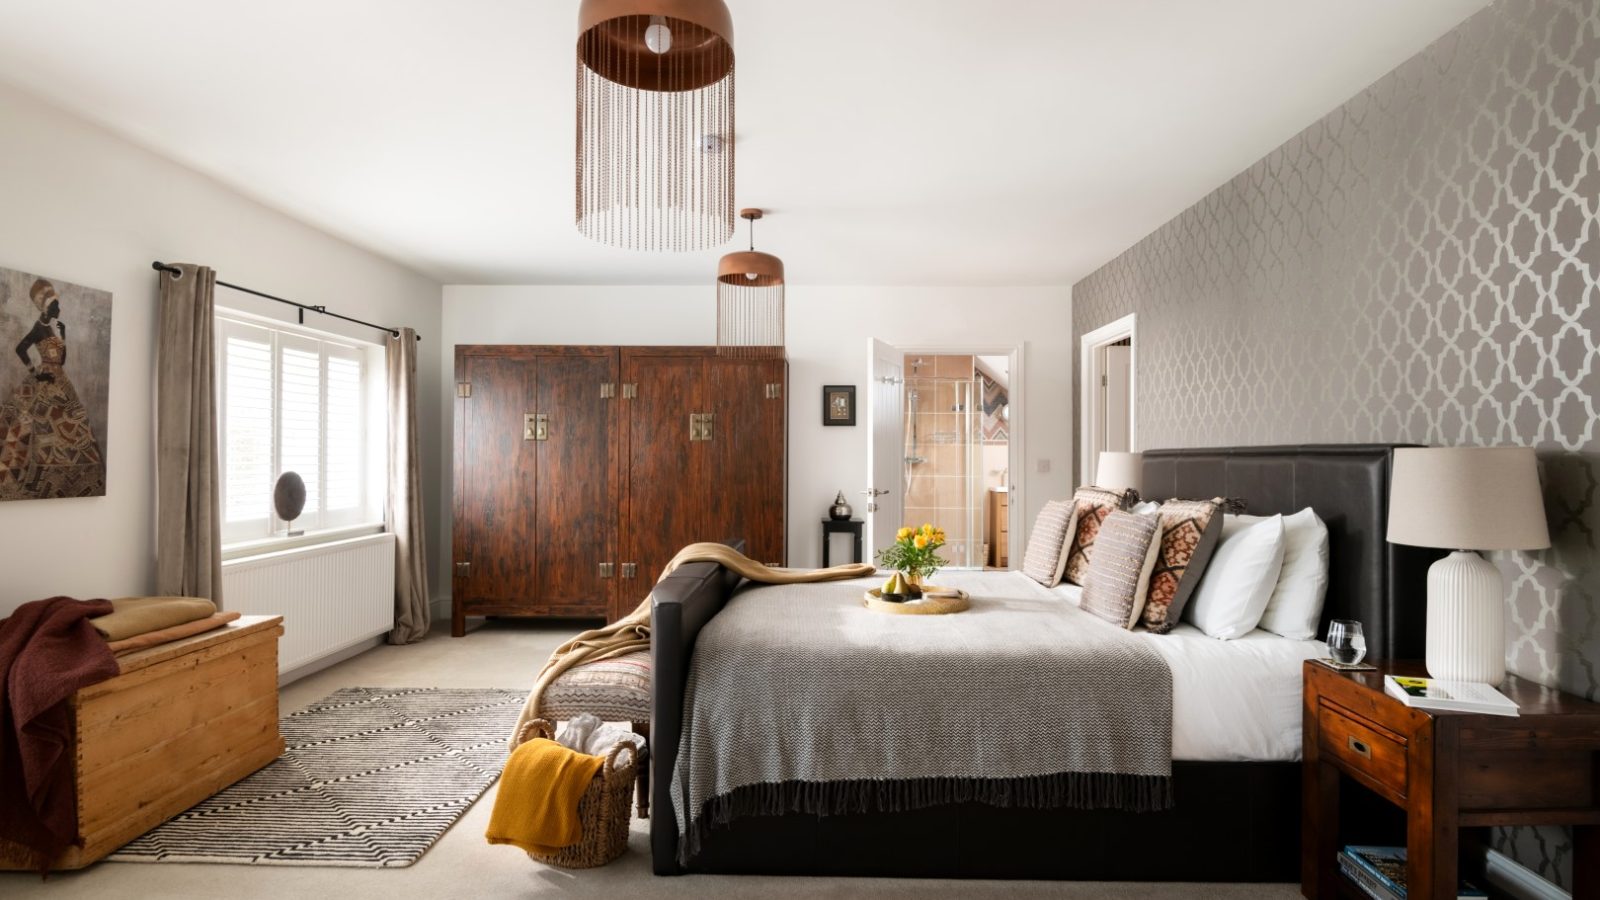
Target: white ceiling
{"type": "Point", "coordinates": [970, 142]}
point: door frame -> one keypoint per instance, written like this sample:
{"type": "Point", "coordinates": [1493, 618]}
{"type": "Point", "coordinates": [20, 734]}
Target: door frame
{"type": "Point", "coordinates": [1016, 448]}
{"type": "Point", "coordinates": [1089, 398]}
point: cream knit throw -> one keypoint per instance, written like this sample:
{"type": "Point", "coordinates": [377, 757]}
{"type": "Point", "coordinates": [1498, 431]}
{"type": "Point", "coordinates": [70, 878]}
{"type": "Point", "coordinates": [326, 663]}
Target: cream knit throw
{"type": "Point", "coordinates": [631, 633]}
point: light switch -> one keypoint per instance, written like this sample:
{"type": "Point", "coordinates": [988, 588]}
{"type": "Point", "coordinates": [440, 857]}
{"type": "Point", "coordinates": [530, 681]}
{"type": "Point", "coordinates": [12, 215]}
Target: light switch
{"type": "Point", "coordinates": [1044, 467]}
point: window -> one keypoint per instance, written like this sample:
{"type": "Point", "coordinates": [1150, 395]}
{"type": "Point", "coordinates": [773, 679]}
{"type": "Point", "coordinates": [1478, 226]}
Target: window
{"type": "Point", "coordinates": [295, 400]}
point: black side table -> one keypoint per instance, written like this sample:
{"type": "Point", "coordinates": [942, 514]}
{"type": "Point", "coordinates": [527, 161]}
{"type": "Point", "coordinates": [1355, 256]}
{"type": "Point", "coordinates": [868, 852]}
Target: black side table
{"type": "Point", "coordinates": [831, 527]}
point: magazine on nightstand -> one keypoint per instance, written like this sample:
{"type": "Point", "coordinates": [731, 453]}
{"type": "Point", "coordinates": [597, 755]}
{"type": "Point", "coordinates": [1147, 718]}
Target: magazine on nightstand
{"type": "Point", "coordinates": [1380, 873]}
{"type": "Point", "coordinates": [1449, 696]}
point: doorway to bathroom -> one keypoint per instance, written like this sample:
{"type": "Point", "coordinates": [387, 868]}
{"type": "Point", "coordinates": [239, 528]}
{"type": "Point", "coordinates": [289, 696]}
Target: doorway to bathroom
{"type": "Point", "coordinates": [944, 432]}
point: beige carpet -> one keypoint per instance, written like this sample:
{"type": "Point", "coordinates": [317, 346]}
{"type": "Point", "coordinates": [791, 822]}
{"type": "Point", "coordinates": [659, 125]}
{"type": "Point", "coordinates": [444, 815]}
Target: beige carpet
{"type": "Point", "coordinates": [505, 654]}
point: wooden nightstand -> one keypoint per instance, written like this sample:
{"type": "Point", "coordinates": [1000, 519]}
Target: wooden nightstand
{"type": "Point", "coordinates": [1448, 771]}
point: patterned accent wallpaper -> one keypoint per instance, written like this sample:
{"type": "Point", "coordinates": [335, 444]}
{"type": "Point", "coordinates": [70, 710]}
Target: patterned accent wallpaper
{"type": "Point", "coordinates": [1421, 265]}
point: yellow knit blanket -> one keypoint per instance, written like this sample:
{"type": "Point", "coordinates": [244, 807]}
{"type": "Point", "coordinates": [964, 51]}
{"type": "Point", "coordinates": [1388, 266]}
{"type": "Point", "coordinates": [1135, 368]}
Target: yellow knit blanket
{"type": "Point", "coordinates": [537, 805]}
{"type": "Point", "coordinates": [631, 633]}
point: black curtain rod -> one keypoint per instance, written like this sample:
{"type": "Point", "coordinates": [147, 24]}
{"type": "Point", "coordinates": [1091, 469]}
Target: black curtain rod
{"type": "Point", "coordinates": [160, 266]}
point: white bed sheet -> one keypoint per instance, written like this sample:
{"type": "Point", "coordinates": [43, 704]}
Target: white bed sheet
{"type": "Point", "coordinates": [1231, 700]}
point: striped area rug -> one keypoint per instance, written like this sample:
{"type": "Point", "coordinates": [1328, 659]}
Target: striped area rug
{"type": "Point", "coordinates": [371, 778]}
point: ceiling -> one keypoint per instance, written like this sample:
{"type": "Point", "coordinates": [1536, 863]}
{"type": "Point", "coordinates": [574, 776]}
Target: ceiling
{"type": "Point", "coordinates": [961, 142]}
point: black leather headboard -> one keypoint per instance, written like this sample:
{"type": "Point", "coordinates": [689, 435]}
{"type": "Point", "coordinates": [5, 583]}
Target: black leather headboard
{"type": "Point", "coordinates": [1381, 585]}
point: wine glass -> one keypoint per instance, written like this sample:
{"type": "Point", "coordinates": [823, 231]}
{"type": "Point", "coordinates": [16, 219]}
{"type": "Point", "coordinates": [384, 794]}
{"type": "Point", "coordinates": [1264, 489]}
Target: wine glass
{"type": "Point", "coordinates": [1346, 644]}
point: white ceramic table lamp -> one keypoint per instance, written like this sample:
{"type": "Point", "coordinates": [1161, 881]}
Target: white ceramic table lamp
{"type": "Point", "coordinates": [1465, 499]}
{"type": "Point", "coordinates": [1119, 471]}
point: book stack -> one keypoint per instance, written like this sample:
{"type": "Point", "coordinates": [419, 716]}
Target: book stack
{"type": "Point", "coordinates": [1380, 873]}
{"type": "Point", "coordinates": [1449, 696]}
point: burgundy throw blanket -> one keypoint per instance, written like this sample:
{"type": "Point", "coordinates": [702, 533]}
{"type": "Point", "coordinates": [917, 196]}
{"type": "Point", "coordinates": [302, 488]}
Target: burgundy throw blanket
{"type": "Point", "coordinates": [48, 650]}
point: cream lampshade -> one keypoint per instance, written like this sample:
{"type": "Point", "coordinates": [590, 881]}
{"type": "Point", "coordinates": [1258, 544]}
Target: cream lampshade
{"type": "Point", "coordinates": [1465, 499]}
{"type": "Point", "coordinates": [1118, 471]}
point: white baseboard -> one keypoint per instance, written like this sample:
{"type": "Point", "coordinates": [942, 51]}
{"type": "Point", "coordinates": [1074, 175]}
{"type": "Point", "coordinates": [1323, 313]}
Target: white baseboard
{"type": "Point", "coordinates": [1520, 881]}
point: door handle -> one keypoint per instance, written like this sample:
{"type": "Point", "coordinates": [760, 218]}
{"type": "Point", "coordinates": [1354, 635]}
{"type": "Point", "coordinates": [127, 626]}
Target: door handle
{"type": "Point", "coordinates": [535, 426]}
{"type": "Point", "coordinates": [874, 492]}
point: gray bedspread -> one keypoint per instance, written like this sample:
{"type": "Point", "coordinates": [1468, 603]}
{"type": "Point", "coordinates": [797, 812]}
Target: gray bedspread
{"type": "Point", "coordinates": [801, 699]}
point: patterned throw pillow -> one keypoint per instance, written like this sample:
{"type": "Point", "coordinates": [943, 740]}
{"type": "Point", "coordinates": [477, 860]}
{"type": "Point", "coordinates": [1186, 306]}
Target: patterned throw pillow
{"type": "Point", "coordinates": [1189, 532]}
{"type": "Point", "coordinates": [1090, 506]}
{"type": "Point", "coordinates": [1119, 578]}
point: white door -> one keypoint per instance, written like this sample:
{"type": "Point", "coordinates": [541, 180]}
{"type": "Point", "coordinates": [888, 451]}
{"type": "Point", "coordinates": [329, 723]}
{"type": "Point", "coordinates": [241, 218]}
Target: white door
{"type": "Point", "coordinates": [886, 446]}
{"type": "Point", "coordinates": [1118, 375]}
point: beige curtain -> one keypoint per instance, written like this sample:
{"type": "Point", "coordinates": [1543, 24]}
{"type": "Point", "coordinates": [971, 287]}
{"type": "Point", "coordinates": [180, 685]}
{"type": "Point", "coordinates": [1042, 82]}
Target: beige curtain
{"type": "Point", "coordinates": [188, 519]}
{"type": "Point", "coordinates": [403, 511]}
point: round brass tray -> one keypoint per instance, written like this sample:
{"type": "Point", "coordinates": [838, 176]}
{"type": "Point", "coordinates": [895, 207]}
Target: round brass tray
{"type": "Point", "coordinates": [954, 601]}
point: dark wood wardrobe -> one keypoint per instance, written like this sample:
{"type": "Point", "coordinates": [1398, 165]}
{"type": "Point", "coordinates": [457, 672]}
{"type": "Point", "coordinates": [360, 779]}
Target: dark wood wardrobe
{"type": "Point", "coordinates": [580, 471]}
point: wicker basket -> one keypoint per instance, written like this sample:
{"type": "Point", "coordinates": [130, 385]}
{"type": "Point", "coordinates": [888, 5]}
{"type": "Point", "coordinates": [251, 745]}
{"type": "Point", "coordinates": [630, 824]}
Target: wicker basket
{"type": "Point", "coordinates": [604, 812]}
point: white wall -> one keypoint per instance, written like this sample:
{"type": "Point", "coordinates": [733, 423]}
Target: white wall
{"type": "Point", "coordinates": [85, 206]}
{"type": "Point", "coordinates": [828, 331]}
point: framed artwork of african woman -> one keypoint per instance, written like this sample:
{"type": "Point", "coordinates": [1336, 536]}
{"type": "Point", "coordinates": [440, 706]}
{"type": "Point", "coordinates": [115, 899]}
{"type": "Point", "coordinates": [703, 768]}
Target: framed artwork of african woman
{"type": "Point", "coordinates": [55, 381]}
{"type": "Point", "coordinates": [838, 404]}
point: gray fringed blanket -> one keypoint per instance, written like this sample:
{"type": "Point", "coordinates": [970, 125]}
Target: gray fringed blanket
{"type": "Point", "coordinates": [800, 699]}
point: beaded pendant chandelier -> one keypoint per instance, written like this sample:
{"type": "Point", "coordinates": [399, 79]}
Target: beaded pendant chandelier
{"type": "Point", "coordinates": [655, 123]}
{"type": "Point", "coordinates": [750, 300]}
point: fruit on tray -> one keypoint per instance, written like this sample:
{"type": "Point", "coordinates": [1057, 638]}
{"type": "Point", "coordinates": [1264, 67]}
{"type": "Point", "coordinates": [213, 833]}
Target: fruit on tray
{"type": "Point", "coordinates": [894, 590]}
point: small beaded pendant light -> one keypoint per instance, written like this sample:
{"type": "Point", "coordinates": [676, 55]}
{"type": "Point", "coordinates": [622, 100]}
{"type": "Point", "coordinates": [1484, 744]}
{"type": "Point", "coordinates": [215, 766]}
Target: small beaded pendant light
{"type": "Point", "coordinates": [750, 300]}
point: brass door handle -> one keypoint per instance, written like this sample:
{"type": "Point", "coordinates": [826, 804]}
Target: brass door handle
{"type": "Point", "coordinates": [535, 426]}
{"type": "Point", "coordinates": [1360, 748]}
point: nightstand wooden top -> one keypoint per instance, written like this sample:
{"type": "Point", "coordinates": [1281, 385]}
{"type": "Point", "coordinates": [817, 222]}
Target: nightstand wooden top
{"type": "Point", "coordinates": [1532, 698]}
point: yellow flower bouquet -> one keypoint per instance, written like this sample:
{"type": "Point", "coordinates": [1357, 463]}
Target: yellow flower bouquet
{"type": "Point", "coordinates": [915, 552]}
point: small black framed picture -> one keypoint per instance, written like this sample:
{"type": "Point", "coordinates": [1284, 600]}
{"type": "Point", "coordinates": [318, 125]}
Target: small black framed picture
{"type": "Point", "coordinates": [838, 404]}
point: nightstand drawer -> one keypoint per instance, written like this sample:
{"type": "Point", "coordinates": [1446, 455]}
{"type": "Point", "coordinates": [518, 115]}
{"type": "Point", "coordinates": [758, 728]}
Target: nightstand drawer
{"type": "Point", "coordinates": [1376, 756]}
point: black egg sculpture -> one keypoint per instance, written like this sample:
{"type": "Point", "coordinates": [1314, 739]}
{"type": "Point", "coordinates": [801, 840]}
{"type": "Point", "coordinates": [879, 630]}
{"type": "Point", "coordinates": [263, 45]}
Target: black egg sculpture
{"type": "Point", "coordinates": [289, 498]}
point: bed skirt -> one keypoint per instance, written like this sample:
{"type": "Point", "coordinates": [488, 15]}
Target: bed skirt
{"type": "Point", "coordinates": [1235, 821]}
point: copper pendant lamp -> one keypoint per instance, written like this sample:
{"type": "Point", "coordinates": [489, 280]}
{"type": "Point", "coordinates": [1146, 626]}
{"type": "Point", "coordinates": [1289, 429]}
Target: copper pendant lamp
{"type": "Point", "coordinates": [655, 123]}
{"type": "Point", "coordinates": [750, 300]}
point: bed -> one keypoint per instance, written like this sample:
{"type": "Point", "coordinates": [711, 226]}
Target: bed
{"type": "Point", "coordinates": [1235, 783]}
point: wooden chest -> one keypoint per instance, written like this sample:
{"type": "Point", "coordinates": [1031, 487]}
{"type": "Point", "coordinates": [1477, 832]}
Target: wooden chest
{"type": "Point", "coordinates": [181, 722]}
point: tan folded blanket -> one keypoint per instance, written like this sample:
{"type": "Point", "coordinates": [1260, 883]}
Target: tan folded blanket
{"type": "Point", "coordinates": [168, 635]}
{"type": "Point", "coordinates": [631, 633]}
{"type": "Point", "coordinates": [136, 615]}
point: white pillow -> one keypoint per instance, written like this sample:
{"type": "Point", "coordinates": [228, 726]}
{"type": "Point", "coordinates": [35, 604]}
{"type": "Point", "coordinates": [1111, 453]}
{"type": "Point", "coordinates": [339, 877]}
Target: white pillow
{"type": "Point", "coordinates": [1147, 508]}
{"type": "Point", "coordinates": [1239, 580]}
{"type": "Point", "coordinates": [1296, 604]}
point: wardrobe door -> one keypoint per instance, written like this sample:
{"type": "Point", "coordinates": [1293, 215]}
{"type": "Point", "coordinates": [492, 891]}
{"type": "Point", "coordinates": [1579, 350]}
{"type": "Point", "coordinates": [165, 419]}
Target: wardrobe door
{"type": "Point", "coordinates": [495, 571]}
{"type": "Point", "coordinates": [577, 489]}
{"type": "Point", "coordinates": [743, 466]}
{"type": "Point", "coordinates": [664, 502]}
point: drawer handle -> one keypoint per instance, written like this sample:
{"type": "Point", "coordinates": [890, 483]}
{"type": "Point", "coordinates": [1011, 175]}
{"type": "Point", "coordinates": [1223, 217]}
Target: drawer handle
{"type": "Point", "coordinates": [1359, 747]}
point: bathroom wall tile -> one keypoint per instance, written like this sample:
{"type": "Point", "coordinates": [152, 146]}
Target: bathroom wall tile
{"type": "Point", "coordinates": [916, 515]}
{"type": "Point", "coordinates": [953, 366]}
{"type": "Point", "coordinates": [952, 491]}
{"type": "Point", "coordinates": [922, 491]}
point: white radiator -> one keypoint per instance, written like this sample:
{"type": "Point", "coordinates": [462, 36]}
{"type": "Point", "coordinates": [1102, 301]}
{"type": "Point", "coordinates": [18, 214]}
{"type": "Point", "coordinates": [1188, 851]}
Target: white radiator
{"type": "Point", "coordinates": [331, 596]}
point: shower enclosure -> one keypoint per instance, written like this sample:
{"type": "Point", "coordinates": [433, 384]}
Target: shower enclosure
{"type": "Point", "coordinates": [944, 477]}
